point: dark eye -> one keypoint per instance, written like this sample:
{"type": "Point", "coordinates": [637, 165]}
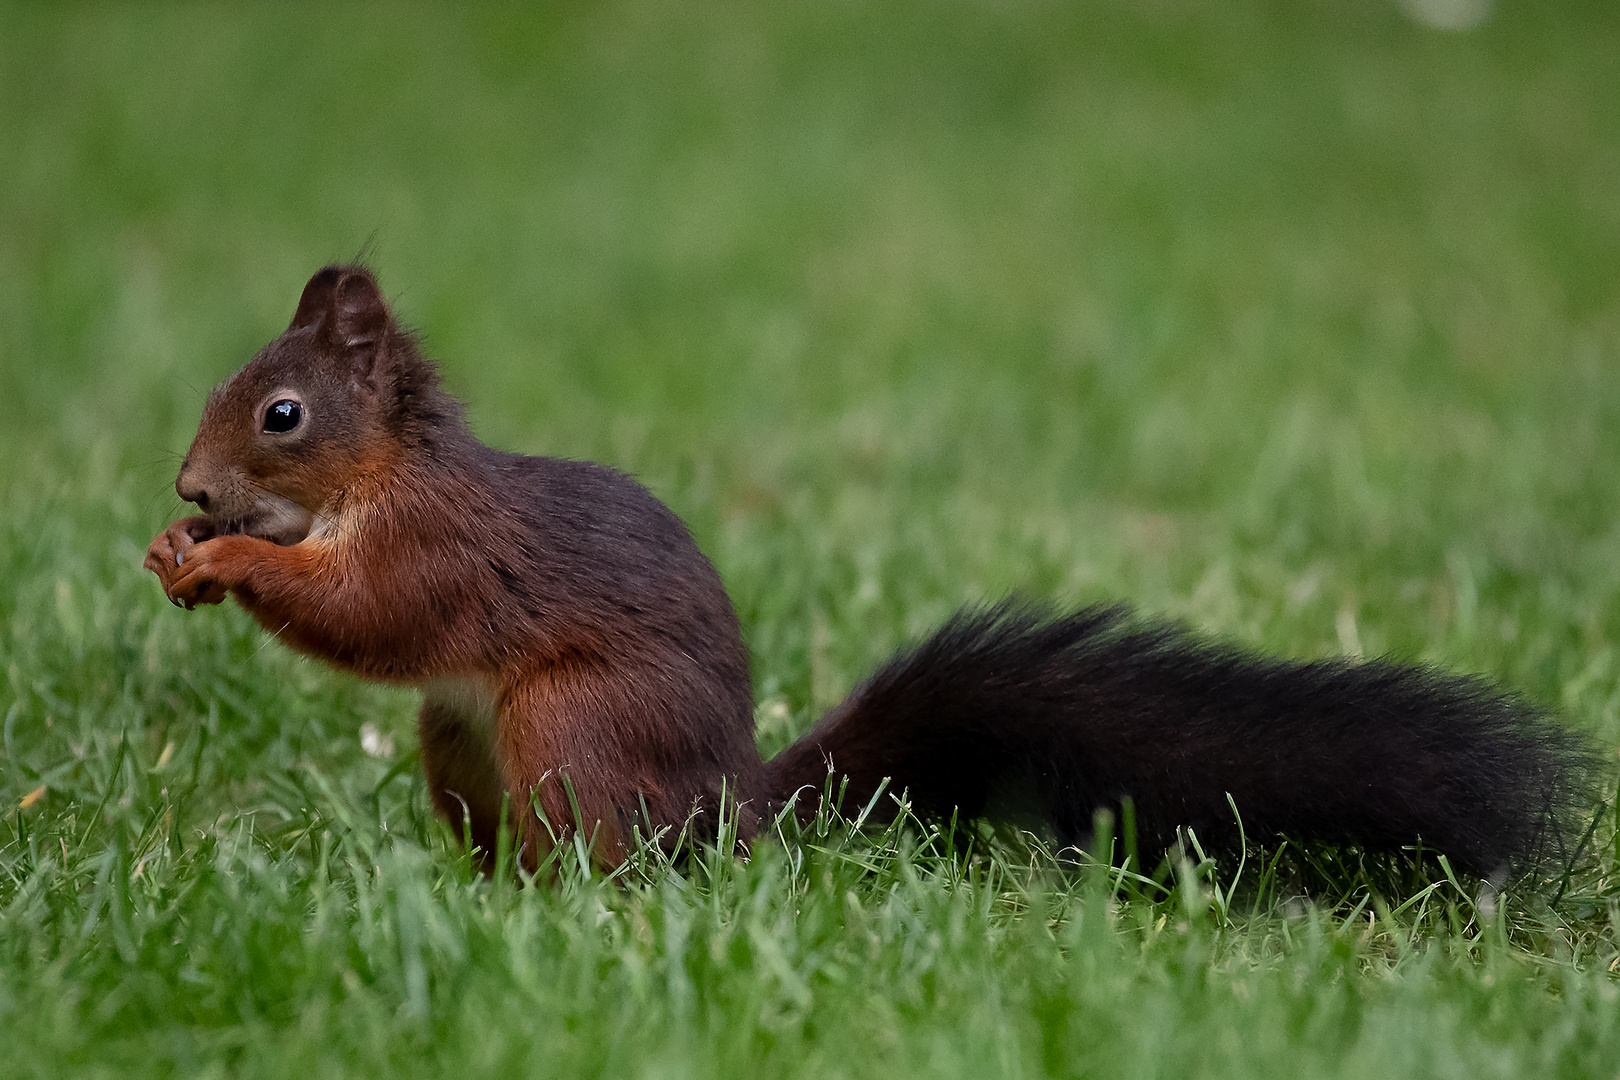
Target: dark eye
{"type": "Point", "coordinates": [283, 416]}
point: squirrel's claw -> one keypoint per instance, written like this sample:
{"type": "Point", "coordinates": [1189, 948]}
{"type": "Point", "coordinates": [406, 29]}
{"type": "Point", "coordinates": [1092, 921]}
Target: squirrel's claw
{"type": "Point", "coordinates": [194, 583]}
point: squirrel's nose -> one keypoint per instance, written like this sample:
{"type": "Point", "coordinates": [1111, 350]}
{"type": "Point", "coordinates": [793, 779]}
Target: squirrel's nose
{"type": "Point", "coordinates": [191, 491]}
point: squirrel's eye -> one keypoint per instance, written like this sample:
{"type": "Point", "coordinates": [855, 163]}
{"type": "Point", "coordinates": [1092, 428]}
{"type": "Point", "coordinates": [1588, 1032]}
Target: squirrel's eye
{"type": "Point", "coordinates": [283, 416]}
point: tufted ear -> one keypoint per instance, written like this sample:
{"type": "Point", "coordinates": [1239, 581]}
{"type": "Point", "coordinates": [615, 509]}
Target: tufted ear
{"type": "Point", "coordinates": [346, 306]}
{"type": "Point", "coordinates": [359, 312]}
{"type": "Point", "coordinates": [317, 298]}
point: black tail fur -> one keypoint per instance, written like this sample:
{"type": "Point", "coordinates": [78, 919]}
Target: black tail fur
{"type": "Point", "coordinates": [1014, 707]}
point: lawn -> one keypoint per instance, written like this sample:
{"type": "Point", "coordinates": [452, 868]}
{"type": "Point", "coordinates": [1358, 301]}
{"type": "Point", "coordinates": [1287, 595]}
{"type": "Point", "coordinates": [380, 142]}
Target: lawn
{"type": "Point", "coordinates": [1298, 322]}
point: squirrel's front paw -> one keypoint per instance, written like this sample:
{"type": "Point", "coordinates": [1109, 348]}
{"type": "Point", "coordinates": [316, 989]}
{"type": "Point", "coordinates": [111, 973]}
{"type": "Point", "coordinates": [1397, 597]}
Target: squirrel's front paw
{"type": "Point", "coordinates": [198, 577]}
{"type": "Point", "coordinates": [183, 565]}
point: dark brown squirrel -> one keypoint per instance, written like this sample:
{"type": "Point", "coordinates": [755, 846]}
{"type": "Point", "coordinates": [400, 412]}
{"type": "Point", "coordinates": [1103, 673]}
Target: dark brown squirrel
{"type": "Point", "coordinates": [563, 625]}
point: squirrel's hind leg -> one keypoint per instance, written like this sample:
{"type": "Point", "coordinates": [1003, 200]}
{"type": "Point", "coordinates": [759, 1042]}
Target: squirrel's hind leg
{"type": "Point", "coordinates": [561, 746]}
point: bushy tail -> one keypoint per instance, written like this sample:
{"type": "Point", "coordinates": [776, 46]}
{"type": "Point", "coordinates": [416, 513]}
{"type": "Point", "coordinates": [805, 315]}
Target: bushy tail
{"type": "Point", "coordinates": [1017, 709]}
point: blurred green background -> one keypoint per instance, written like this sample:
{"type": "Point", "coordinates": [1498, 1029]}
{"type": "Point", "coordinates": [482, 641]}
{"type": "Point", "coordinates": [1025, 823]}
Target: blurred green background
{"type": "Point", "coordinates": [1299, 321]}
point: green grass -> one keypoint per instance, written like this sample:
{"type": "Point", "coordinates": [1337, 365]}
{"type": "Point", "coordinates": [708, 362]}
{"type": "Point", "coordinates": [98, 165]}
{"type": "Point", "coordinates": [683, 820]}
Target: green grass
{"type": "Point", "coordinates": [1296, 321]}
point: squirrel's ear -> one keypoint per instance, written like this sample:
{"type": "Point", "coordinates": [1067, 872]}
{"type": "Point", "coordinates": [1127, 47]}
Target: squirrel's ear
{"type": "Point", "coordinates": [359, 312]}
{"type": "Point", "coordinates": [317, 298]}
{"type": "Point", "coordinates": [355, 324]}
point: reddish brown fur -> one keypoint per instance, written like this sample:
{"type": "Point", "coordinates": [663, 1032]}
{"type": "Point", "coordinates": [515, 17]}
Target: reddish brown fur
{"type": "Point", "coordinates": [606, 636]}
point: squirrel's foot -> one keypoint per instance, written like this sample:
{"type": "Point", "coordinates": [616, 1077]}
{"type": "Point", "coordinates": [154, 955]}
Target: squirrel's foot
{"type": "Point", "coordinates": [183, 564]}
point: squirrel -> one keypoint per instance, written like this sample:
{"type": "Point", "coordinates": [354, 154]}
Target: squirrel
{"type": "Point", "coordinates": [581, 663]}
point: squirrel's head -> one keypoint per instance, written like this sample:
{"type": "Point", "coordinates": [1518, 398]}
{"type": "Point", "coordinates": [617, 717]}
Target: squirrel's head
{"type": "Point", "coordinates": [338, 399]}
